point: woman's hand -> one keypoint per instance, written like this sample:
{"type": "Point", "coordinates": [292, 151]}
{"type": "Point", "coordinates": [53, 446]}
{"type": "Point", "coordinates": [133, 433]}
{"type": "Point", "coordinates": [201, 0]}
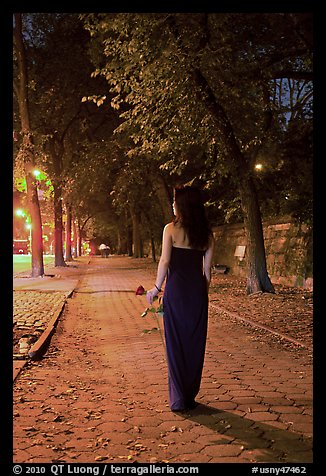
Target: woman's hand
{"type": "Point", "coordinates": [151, 294]}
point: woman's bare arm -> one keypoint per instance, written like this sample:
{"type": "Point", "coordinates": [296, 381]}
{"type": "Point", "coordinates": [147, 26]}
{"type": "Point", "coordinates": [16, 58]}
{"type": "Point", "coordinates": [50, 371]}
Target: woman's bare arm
{"type": "Point", "coordinates": [163, 263]}
{"type": "Point", "coordinates": [208, 258]}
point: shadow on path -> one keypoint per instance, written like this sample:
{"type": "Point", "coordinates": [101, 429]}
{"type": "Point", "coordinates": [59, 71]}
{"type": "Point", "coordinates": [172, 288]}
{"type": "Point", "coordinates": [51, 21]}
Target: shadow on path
{"type": "Point", "coordinates": [274, 445]}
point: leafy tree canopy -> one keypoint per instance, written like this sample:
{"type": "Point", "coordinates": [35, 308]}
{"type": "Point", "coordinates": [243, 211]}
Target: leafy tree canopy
{"type": "Point", "coordinates": [261, 79]}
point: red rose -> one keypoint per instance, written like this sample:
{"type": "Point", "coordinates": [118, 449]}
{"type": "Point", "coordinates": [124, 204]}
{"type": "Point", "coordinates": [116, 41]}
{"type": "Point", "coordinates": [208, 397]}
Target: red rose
{"type": "Point", "coordinates": [140, 291]}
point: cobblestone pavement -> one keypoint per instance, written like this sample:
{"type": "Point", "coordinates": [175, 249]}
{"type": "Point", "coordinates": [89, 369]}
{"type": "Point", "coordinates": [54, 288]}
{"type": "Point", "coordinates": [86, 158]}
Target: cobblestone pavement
{"type": "Point", "coordinates": [100, 391]}
{"type": "Point", "coordinates": [37, 304]}
{"type": "Point", "coordinates": [33, 310]}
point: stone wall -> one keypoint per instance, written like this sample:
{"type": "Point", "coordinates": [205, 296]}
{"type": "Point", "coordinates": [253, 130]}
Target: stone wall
{"type": "Point", "coordinates": [288, 247]}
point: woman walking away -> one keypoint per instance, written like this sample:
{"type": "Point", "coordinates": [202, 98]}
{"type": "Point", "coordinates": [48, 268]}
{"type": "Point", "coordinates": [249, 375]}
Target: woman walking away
{"type": "Point", "coordinates": [187, 252]}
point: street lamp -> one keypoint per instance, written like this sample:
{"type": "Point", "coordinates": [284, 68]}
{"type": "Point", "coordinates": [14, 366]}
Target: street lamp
{"type": "Point", "coordinates": [20, 213]}
{"type": "Point", "coordinates": [28, 226]}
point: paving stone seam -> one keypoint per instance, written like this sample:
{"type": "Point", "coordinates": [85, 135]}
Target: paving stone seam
{"type": "Point", "coordinates": [260, 326]}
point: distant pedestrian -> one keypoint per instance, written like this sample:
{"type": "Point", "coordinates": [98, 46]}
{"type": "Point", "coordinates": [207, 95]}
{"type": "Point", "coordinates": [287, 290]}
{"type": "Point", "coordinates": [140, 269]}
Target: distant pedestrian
{"type": "Point", "coordinates": [102, 249]}
{"type": "Point", "coordinates": [107, 251]}
{"type": "Point", "coordinates": [187, 252]}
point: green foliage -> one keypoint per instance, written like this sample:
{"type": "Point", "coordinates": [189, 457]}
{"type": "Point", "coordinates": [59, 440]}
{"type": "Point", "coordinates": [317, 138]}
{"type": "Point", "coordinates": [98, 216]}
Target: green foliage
{"type": "Point", "coordinates": [118, 100]}
{"type": "Point", "coordinates": [291, 180]}
{"type": "Point", "coordinates": [148, 69]}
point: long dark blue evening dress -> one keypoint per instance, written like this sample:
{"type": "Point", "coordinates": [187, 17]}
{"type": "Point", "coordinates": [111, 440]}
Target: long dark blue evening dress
{"type": "Point", "coordinates": [185, 303]}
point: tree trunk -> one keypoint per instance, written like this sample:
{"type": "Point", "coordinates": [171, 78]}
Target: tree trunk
{"type": "Point", "coordinates": [163, 196]}
{"type": "Point", "coordinates": [128, 233]}
{"type": "Point", "coordinates": [122, 239]}
{"type": "Point", "coordinates": [152, 236]}
{"type": "Point", "coordinates": [257, 278]}
{"type": "Point", "coordinates": [129, 240]}
{"type": "Point", "coordinates": [136, 237]}
{"type": "Point", "coordinates": [28, 152]}
{"type": "Point", "coordinates": [257, 275]}
{"type": "Point", "coordinates": [36, 222]}
{"type": "Point", "coordinates": [75, 238]}
{"type": "Point", "coordinates": [153, 248]}
{"type": "Point", "coordinates": [79, 239]}
{"type": "Point", "coordinates": [119, 242]}
{"type": "Point", "coordinates": [56, 152]}
{"type": "Point", "coordinates": [58, 227]}
{"type": "Point", "coordinates": [68, 234]}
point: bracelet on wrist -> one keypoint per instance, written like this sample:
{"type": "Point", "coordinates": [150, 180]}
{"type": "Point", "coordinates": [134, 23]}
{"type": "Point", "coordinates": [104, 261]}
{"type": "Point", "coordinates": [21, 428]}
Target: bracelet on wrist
{"type": "Point", "coordinates": [159, 290]}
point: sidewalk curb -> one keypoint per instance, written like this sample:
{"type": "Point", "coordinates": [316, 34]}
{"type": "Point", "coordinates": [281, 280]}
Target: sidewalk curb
{"type": "Point", "coordinates": [19, 364]}
{"type": "Point", "coordinates": [39, 347]}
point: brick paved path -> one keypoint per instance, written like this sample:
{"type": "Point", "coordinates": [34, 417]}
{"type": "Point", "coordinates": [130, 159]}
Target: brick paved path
{"type": "Point", "coordinates": [100, 392]}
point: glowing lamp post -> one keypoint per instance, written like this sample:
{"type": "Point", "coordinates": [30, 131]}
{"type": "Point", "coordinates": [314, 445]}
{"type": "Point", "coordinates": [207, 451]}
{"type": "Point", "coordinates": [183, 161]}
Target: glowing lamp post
{"type": "Point", "coordinates": [20, 213]}
{"type": "Point", "coordinates": [28, 226]}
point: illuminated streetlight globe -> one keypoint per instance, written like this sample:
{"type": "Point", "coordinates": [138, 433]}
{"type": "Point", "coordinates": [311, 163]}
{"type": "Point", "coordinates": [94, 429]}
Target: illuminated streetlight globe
{"type": "Point", "coordinates": [20, 213]}
{"type": "Point", "coordinates": [259, 167]}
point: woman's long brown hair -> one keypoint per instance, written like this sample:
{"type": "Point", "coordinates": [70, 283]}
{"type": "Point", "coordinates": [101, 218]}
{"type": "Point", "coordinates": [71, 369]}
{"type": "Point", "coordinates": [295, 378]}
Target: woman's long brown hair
{"type": "Point", "coordinates": [192, 216]}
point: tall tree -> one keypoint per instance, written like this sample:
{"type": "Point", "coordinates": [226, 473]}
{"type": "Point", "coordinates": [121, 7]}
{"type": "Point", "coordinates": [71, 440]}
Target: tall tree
{"type": "Point", "coordinates": [57, 98]}
{"type": "Point", "coordinates": [21, 86]}
{"type": "Point", "coordinates": [205, 79]}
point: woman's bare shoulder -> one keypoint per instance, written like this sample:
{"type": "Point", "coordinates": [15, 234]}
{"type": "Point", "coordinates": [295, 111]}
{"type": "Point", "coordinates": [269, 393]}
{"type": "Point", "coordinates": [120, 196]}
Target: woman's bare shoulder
{"type": "Point", "coordinates": [169, 227]}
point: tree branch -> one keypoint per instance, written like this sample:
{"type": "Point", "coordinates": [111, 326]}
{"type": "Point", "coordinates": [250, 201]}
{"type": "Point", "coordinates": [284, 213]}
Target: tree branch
{"type": "Point", "coordinates": [207, 97]}
{"type": "Point", "coordinates": [290, 74]}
